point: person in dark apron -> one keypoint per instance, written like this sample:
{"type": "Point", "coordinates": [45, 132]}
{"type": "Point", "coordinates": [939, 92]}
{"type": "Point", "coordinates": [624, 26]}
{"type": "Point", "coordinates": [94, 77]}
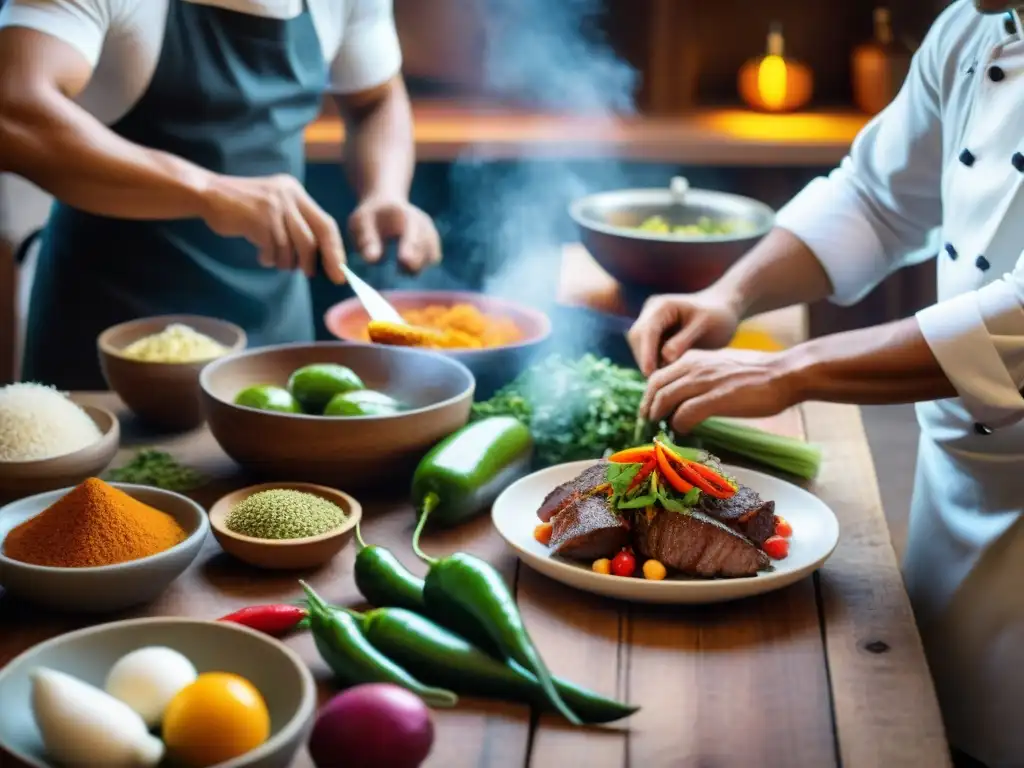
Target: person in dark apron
{"type": "Point", "coordinates": [231, 95]}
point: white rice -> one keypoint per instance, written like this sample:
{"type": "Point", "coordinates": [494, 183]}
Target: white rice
{"type": "Point", "coordinates": [38, 422]}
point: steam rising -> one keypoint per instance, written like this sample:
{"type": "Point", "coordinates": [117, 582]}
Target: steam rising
{"type": "Point", "coordinates": [546, 54]}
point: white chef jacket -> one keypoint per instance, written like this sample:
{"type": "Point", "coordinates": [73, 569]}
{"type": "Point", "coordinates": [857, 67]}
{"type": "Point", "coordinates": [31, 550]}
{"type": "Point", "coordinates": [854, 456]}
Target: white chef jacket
{"type": "Point", "coordinates": [948, 154]}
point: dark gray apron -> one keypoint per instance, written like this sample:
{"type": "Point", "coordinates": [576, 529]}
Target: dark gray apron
{"type": "Point", "coordinates": [232, 93]}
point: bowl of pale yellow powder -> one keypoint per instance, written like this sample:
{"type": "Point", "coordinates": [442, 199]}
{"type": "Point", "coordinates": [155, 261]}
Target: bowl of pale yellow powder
{"type": "Point", "coordinates": [153, 364]}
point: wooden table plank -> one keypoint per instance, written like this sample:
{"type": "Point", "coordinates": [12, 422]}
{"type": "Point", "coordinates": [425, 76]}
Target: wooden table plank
{"type": "Point", "coordinates": [886, 711]}
{"type": "Point", "coordinates": [582, 637]}
{"type": "Point", "coordinates": [705, 669]}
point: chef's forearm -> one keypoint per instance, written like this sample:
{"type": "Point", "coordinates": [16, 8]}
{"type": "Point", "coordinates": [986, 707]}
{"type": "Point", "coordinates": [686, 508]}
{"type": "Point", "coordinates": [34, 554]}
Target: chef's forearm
{"type": "Point", "coordinates": [778, 272]}
{"type": "Point", "coordinates": [882, 365]}
{"type": "Point", "coordinates": [379, 147]}
{"type": "Point", "coordinates": [51, 141]}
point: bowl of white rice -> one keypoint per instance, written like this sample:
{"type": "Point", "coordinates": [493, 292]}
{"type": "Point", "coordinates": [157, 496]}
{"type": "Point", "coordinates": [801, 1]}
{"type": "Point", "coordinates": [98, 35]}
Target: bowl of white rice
{"type": "Point", "coordinates": [153, 364]}
{"type": "Point", "coordinates": [48, 441]}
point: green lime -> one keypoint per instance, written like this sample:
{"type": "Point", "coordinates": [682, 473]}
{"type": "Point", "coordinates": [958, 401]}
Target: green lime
{"type": "Point", "coordinates": [314, 385]}
{"type": "Point", "coordinates": [266, 397]}
{"type": "Point", "coordinates": [364, 402]}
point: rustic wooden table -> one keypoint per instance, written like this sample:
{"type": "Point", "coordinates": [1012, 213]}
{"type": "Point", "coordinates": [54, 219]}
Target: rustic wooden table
{"type": "Point", "coordinates": [828, 672]}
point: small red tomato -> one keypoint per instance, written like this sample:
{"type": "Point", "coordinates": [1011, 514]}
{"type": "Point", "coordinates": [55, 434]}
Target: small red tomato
{"type": "Point", "coordinates": [782, 527]}
{"type": "Point", "coordinates": [624, 564]}
{"type": "Point", "coordinates": [776, 548]}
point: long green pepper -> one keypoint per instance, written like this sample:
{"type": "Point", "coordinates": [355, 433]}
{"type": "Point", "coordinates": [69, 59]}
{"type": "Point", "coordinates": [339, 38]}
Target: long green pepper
{"type": "Point", "coordinates": [385, 583]}
{"type": "Point", "coordinates": [439, 657]}
{"type": "Point", "coordinates": [466, 591]}
{"type": "Point", "coordinates": [382, 579]}
{"type": "Point", "coordinates": [353, 659]}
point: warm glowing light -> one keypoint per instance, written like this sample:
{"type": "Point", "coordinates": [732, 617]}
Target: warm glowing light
{"type": "Point", "coordinates": [801, 127]}
{"type": "Point", "coordinates": [772, 82]}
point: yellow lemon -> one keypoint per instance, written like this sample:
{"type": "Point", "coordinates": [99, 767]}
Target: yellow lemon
{"type": "Point", "coordinates": [218, 717]}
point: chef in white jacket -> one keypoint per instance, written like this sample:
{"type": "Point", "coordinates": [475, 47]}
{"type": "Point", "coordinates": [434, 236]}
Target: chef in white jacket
{"type": "Point", "coordinates": [947, 155]}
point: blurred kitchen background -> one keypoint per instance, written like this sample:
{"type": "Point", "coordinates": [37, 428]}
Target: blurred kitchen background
{"type": "Point", "coordinates": [524, 105]}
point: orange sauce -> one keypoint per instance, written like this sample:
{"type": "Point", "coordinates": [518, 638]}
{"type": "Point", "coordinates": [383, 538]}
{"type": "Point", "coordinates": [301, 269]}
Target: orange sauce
{"type": "Point", "coordinates": [463, 326]}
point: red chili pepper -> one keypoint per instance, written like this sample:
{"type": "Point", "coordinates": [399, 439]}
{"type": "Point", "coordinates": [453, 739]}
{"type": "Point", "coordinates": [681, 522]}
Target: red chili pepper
{"type": "Point", "coordinates": [668, 472]}
{"type": "Point", "coordinates": [642, 475]}
{"type": "Point", "coordinates": [274, 620]}
{"type": "Point", "coordinates": [638, 455]}
{"type": "Point", "coordinates": [696, 474]}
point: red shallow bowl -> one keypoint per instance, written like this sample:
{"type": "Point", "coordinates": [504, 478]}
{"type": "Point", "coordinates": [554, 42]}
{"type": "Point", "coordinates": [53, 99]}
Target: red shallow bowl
{"type": "Point", "coordinates": [493, 367]}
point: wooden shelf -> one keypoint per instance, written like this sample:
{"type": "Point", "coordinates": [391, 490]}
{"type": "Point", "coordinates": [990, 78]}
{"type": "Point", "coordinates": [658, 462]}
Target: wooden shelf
{"type": "Point", "coordinates": [721, 137]}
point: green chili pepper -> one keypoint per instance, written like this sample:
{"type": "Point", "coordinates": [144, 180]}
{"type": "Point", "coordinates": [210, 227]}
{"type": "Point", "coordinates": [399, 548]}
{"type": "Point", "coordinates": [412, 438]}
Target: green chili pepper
{"type": "Point", "coordinates": [466, 591]}
{"type": "Point", "coordinates": [384, 581]}
{"type": "Point", "coordinates": [440, 657]}
{"type": "Point", "coordinates": [469, 468]}
{"type": "Point", "coordinates": [354, 660]}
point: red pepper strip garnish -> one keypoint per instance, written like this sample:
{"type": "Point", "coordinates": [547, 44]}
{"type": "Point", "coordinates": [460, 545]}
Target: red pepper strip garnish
{"type": "Point", "coordinates": [711, 475]}
{"type": "Point", "coordinates": [274, 620]}
{"type": "Point", "coordinates": [639, 455]}
{"type": "Point", "coordinates": [642, 475]}
{"type": "Point", "coordinates": [666, 469]}
{"type": "Point", "coordinates": [717, 488]}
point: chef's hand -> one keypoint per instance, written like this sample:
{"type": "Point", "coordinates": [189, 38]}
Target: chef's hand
{"type": "Point", "coordinates": [671, 324]}
{"type": "Point", "coordinates": [378, 219]}
{"type": "Point", "coordinates": [725, 382]}
{"type": "Point", "coordinates": [277, 215]}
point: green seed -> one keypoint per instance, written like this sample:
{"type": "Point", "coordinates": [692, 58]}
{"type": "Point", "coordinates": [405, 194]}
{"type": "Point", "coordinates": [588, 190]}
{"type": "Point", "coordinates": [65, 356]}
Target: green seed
{"type": "Point", "coordinates": [284, 514]}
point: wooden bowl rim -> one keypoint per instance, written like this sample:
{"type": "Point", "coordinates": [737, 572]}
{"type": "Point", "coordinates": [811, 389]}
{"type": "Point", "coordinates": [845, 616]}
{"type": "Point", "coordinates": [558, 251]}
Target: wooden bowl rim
{"type": "Point", "coordinates": [305, 710]}
{"type": "Point", "coordinates": [200, 532]}
{"type": "Point", "coordinates": [211, 369]}
{"type": "Point", "coordinates": [541, 317]}
{"type": "Point", "coordinates": [107, 348]}
{"type": "Point", "coordinates": [112, 434]}
{"type": "Point", "coordinates": [223, 506]}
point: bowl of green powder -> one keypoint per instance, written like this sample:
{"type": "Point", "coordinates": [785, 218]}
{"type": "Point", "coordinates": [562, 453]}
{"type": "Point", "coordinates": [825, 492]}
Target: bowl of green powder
{"type": "Point", "coordinates": [285, 526]}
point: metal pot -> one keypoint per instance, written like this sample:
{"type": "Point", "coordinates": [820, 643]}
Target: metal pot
{"type": "Point", "coordinates": [668, 262]}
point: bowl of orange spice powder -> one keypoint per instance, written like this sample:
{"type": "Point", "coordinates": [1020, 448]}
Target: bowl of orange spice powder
{"type": "Point", "coordinates": [495, 338]}
{"type": "Point", "coordinates": [98, 547]}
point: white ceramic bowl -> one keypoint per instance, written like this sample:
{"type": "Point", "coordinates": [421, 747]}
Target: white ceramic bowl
{"type": "Point", "coordinates": [88, 654]}
{"type": "Point", "coordinates": [815, 535]}
{"type": "Point", "coordinates": [109, 587]}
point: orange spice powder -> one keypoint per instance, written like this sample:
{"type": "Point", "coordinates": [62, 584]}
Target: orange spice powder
{"type": "Point", "coordinates": [94, 524]}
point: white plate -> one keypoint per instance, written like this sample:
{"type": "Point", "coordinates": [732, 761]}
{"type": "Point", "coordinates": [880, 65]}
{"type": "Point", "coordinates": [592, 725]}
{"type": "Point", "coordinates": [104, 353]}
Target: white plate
{"type": "Point", "coordinates": [815, 535]}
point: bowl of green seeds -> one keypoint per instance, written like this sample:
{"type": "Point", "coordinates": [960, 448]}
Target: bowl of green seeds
{"type": "Point", "coordinates": [285, 526]}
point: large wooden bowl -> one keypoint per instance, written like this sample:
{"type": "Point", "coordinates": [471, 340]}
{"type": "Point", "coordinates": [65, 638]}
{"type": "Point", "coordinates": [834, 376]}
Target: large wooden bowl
{"type": "Point", "coordinates": [348, 452]}
{"type": "Point", "coordinates": [165, 395]}
{"type": "Point", "coordinates": [493, 367]}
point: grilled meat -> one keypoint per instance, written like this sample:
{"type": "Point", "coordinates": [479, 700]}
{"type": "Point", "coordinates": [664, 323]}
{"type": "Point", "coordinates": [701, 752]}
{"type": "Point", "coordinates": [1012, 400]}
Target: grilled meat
{"type": "Point", "coordinates": [588, 529]}
{"type": "Point", "coordinates": [565, 494]}
{"type": "Point", "coordinates": [696, 544]}
{"type": "Point", "coordinates": [745, 512]}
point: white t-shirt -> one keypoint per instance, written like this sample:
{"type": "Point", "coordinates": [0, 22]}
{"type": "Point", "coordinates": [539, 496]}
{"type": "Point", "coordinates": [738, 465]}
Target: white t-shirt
{"type": "Point", "coordinates": [122, 39]}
